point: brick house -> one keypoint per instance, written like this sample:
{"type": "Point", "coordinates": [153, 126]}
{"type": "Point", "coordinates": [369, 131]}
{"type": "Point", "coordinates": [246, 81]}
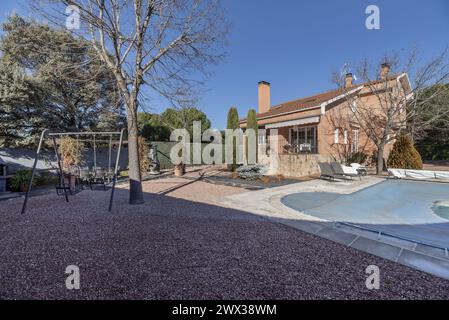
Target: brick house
{"type": "Point", "coordinates": [319, 127]}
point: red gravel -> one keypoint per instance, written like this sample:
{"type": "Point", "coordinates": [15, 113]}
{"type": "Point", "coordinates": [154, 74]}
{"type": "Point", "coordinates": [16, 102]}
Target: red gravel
{"type": "Point", "coordinates": [174, 248]}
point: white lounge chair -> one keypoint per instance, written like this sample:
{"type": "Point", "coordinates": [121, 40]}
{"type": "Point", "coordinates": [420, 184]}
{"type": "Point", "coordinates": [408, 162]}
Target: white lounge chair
{"type": "Point", "coordinates": [361, 169]}
{"type": "Point", "coordinates": [345, 171]}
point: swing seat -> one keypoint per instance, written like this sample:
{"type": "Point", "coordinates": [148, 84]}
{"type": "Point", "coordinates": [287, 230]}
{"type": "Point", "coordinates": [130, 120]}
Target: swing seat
{"type": "Point", "coordinates": [84, 177]}
{"type": "Point", "coordinates": [99, 178]}
{"type": "Point", "coordinates": [60, 190]}
{"type": "Point", "coordinates": [65, 186]}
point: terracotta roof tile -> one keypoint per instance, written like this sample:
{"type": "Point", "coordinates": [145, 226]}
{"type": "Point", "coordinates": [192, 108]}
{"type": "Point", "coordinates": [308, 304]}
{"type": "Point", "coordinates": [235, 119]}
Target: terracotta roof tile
{"type": "Point", "coordinates": [308, 102]}
{"type": "Point", "coordinates": [302, 103]}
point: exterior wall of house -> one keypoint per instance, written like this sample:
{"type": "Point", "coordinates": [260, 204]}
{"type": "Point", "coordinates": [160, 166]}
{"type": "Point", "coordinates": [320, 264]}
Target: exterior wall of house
{"type": "Point", "coordinates": [292, 165]}
{"type": "Point", "coordinates": [338, 115]}
{"type": "Point", "coordinates": [296, 165]}
{"type": "Point", "coordinates": [283, 138]}
{"type": "Point", "coordinates": [300, 165]}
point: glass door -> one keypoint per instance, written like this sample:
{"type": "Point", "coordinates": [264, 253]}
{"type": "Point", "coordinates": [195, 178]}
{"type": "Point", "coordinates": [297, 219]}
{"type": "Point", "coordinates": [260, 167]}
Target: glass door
{"type": "Point", "coordinates": [293, 137]}
{"type": "Point", "coordinates": [303, 139]}
{"type": "Point", "coordinates": [311, 138]}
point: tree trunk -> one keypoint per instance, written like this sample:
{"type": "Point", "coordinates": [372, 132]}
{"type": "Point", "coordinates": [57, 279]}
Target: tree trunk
{"type": "Point", "coordinates": [380, 159]}
{"type": "Point", "coordinates": [135, 178]}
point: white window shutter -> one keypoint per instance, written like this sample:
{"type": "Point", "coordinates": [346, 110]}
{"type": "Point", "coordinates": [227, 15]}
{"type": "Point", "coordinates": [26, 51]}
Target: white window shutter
{"type": "Point", "coordinates": [336, 134]}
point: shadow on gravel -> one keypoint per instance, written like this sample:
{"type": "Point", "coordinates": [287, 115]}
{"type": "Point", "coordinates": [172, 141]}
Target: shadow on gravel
{"type": "Point", "coordinates": [170, 248]}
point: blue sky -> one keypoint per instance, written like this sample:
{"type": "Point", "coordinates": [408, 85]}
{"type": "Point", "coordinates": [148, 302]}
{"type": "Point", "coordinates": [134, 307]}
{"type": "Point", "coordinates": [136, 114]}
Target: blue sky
{"type": "Point", "coordinates": [296, 45]}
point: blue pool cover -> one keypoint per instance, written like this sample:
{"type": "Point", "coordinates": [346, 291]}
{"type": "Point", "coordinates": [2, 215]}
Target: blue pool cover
{"type": "Point", "coordinates": [400, 207]}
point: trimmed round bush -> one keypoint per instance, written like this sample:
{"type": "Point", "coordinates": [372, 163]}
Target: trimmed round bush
{"type": "Point", "coordinates": [404, 154]}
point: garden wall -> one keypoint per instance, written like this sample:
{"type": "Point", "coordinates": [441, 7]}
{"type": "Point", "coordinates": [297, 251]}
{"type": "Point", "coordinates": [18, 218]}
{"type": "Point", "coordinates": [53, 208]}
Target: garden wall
{"type": "Point", "coordinates": [21, 158]}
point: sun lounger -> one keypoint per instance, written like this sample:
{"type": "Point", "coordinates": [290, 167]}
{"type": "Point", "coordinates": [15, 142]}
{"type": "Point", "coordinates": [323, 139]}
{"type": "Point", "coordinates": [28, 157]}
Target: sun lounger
{"type": "Point", "coordinates": [326, 171]}
{"type": "Point", "coordinates": [361, 169]}
{"type": "Point", "coordinates": [345, 171]}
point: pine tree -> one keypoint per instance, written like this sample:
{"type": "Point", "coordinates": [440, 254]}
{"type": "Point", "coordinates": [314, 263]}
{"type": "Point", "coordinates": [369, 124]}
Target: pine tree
{"type": "Point", "coordinates": [51, 79]}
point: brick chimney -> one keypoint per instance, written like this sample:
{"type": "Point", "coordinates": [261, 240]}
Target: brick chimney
{"type": "Point", "coordinates": [384, 70]}
{"type": "Point", "coordinates": [348, 80]}
{"type": "Point", "coordinates": [264, 96]}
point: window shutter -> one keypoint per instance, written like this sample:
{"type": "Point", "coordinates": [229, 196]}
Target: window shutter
{"type": "Point", "coordinates": [336, 134]}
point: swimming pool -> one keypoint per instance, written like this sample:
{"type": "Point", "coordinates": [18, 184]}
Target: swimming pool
{"type": "Point", "coordinates": [415, 210]}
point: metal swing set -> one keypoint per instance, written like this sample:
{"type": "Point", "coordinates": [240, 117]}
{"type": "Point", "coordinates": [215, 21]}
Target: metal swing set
{"type": "Point", "coordinates": [98, 177]}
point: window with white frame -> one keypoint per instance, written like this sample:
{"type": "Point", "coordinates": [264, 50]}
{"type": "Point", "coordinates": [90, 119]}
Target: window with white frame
{"type": "Point", "coordinates": [355, 141]}
{"type": "Point", "coordinates": [336, 135]}
{"type": "Point", "coordinates": [345, 136]}
{"type": "Point", "coordinates": [262, 139]}
{"type": "Point", "coordinates": [304, 139]}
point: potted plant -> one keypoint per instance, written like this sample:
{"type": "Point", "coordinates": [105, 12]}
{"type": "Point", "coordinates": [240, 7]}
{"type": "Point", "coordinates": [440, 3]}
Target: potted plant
{"type": "Point", "coordinates": [20, 180]}
{"type": "Point", "coordinates": [180, 169]}
{"type": "Point", "coordinates": [71, 156]}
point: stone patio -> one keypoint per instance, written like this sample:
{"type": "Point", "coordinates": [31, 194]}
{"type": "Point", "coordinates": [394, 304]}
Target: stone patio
{"type": "Point", "coordinates": [268, 203]}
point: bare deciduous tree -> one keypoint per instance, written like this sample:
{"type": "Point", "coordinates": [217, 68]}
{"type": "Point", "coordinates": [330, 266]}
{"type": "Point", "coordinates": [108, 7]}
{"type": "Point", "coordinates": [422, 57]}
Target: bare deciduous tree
{"type": "Point", "coordinates": [388, 103]}
{"type": "Point", "coordinates": [341, 119]}
{"type": "Point", "coordinates": [163, 45]}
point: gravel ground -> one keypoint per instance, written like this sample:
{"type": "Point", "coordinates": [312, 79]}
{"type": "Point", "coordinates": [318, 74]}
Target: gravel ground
{"type": "Point", "coordinates": [179, 245]}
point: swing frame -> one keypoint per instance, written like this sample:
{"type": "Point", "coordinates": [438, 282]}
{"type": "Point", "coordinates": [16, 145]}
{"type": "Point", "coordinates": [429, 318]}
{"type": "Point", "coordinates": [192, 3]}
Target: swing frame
{"type": "Point", "coordinates": [47, 134]}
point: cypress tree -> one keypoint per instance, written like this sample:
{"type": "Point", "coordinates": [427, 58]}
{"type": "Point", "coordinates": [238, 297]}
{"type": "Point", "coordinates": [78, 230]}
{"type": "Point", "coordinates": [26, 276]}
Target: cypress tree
{"type": "Point", "coordinates": [251, 123]}
{"type": "Point", "coordinates": [233, 123]}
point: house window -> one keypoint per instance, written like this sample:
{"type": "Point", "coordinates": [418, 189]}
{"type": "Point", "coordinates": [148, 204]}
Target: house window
{"type": "Point", "coordinates": [262, 139]}
{"type": "Point", "coordinates": [355, 141]}
{"type": "Point", "coordinates": [336, 134]}
{"type": "Point", "coordinates": [345, 137]}
{"type": "Point", "coordinates": [293, 137]}
{"type": "Point", "coordinates": [303, 139]}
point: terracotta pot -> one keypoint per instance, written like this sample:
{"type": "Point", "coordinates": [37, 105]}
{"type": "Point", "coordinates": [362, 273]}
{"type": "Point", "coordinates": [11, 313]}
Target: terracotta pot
{"type": "Point", "coordinates": [180, 170]}
{"type": "Point", "coordinates": [23, 188]}
{"type": "Point", "coordinates": [70, 181]}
